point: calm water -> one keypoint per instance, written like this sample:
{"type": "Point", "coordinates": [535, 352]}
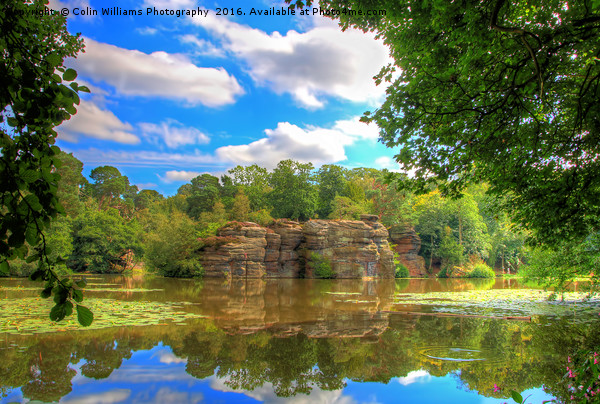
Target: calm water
{"type": "Point", "coordinates": [289, 340]}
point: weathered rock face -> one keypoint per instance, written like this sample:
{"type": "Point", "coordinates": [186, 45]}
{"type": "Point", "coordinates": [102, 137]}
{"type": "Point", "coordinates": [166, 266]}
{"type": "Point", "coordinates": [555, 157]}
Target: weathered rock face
{"type": "Point", "coordinates": [407, 245]}
{"type": "Point", "coordinates": [354, 248]}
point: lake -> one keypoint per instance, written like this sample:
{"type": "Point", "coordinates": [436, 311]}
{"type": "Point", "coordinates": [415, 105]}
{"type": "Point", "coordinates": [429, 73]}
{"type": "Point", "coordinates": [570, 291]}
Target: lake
{"type": "Point", "coordinates": [292, 340]}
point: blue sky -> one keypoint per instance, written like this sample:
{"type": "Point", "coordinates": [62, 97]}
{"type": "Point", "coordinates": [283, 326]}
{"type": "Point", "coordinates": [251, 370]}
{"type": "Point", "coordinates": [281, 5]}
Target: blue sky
{"type": "Point", "coordinates": [174, 97]}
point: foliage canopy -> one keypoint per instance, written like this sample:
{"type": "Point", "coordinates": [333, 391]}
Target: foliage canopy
{"type": "Point", "coordinates": [37, 93]}
{"type": "Point", "coordinates": [494, 91]}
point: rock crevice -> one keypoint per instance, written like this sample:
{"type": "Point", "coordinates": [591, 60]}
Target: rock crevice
{"type": "Point", "coordinates": [353, 248]}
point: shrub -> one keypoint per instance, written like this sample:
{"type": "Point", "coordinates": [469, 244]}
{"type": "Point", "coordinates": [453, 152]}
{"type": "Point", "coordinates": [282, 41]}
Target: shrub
{"type": "Point", "coordinates": [480, 270]}
{"type": "Point", "coordinates": [401, 270]}
{"type": "Point", "coordinates": [173, 249]}
{"type": "Point", "coordinates": [446, 272]}
{"type": "Point", "coordinates": [321, 266]}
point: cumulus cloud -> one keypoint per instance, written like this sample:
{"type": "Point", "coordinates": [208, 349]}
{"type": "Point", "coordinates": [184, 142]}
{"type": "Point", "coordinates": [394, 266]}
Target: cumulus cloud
{"type": "Point", "coordinates": [311, 144]}
{"type": "Point", "coordinates": [179, 176]}
{"type": "Point", "coordinates": [94, 121]}
{"type": "Point", "coordinates": [158, 74]}
{"type": "Point", "coordinates": [173, 134]}
{"type": "Point", "coordinates": [324, 61]}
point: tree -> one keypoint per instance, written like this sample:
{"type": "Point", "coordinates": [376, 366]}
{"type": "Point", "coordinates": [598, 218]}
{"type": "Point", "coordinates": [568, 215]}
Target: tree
{"type": "Point", "coordinates": [241, 207]}
{"type": "Point", "coordinates": [37, 93]}
{"type": "Point", "coordinates": [173, 249]}
{"type": "Point", "coordinates": [102, 239]}
{"type": "Point", "coordinates": [203, 194]}
{"type": "Point", "coordinates": [331, 183]}
{"type": "Point", "coordinates": [502, 92]}
{"type": "Point", "coordinates": [112, 189]}
{"type": "Point", "coordinates": [255, 182]}
{"type": "Point", "coordinates": [293, 195]}
{"type": "Point", "coordinates": [71, 183]}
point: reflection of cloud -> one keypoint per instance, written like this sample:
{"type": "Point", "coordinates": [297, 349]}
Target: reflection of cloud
{"type": "Point", "coordinates": [416, 376]}
{"type": "Point", "coordinates": [108, 397]}
{"type": "Point", "coordinates": [266, 394]}
{"type": "Point", "coordinates": [166, 356]}
{"type": "Point", "coordinates": [166, 395]}
{"type": "Point", "coordinates": [137, 374]}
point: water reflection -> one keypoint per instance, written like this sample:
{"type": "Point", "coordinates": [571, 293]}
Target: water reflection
{"type": "Point", "coordinates": [270, 340]}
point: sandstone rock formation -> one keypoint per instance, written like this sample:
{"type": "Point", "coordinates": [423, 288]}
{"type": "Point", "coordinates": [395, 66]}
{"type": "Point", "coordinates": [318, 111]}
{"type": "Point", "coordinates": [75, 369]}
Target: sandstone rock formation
{"type": "Point", "coordinates": [354, 249]}
{"type": "Point", "coordinates": [407, 245]}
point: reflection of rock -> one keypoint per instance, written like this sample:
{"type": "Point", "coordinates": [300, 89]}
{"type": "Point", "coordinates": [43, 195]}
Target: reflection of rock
{"type": "Point", "coordinates": [355, 249]}
{"type": "Point", "coordinates": [408, 244]}
{"type": "Point", "coordinates": [316, 308]}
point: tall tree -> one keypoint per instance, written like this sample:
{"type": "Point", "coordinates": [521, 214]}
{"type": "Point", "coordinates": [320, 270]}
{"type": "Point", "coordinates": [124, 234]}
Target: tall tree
{"type": "Point", "coordinates": [255, 182]}
{"type": "Point", "coordinates": [203, 194]}
{"type": "Point", "coordinates": [331, 181]}
{"type": "Point", "coordinates": [496, 91]}
{"type": "Point", "coordinates": [294, 195]}
{"type": "Point", "coordinates": [37, 93]}
{"type": "Point", "coordinates": [111, 188]}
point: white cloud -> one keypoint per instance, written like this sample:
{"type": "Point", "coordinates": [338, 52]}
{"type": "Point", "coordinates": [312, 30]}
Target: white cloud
{"type": "Point", "coordinates": [145, 158]}
{"type": "Point", "coordinates": [288, 141]}
{"type": "Point", "coordinates": [158, 74]}
{"type": "Point", "coordinates": [202, 46]}
{"type": "Point", "coordinates": [416, 376]}
{"type": "Point", "coordinates": [179, 176]}
{"type": "Point", "coordinates": [108, 397]}
{"type": "Point", "coordinates": [323, 61]}
{"type": "Point", "coordinates": [387, 162]}
{"type": "Point", "coordinates": [173, 134]}
{"type": "Point", "coordinates": [93, 121]}
{"type": "Point", "coordinates": [147, 31]}
{"type": "Point", "coordinates": [313, 144]}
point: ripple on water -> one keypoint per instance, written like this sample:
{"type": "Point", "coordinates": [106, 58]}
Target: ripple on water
{"type": "Point", "coordinates": [463, 354]}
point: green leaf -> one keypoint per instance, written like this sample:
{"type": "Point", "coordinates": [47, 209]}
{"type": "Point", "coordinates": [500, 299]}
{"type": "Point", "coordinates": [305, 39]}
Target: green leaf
{"type": "Point", "coordinates": [60, 294]}
{"type": "Point", "coordinates": [31, 235]}
{"type": "Point", "coordinates": [84, 316]}
{"type": "Point", "coordinates": [36, 275]}
{"type": "Point", "coordinates": [32, 258]}
{"type": "Point", "coordinates": [4, 267]}
{"type": "Point", "coordinates": [46, 293]}
{"type": "Point", "coordinates": [33, 202]}
{"type": "Point", "coordinates": [70, 75]}
{"type": "Point", "coordinates": [77, 295]}
{"type": "Point", "coordinates": [53, 59]}
{"type": "Point", "coordinates": [12, 121]}
{"type": "Point", "coordinates": [61, 310]}
{"type": "Point", "coordinates": [516, 396]}
{"type": "Point", "coordinates": [56, 78]}
{"type": "Point", "coordinates": [82, 283]}
{"type": "Point", "coordinates": [29, 176]}
{"type": "Point", "coordinates": [84, 89]}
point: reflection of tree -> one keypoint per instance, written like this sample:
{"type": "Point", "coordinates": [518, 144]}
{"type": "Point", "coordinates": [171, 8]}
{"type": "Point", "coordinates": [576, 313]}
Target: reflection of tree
{"type": "Point", "coordinates": [49, 374]}
{"type": "Point", "coordinates": [519, 355]}
{"type": "Point", "coordinates": [102, 357]}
